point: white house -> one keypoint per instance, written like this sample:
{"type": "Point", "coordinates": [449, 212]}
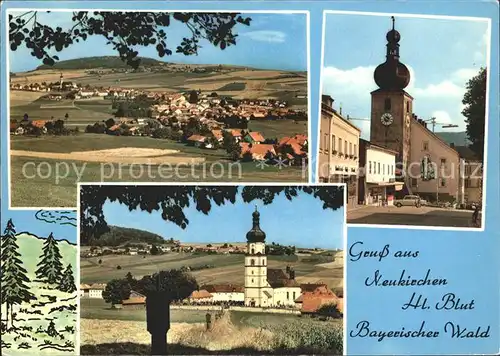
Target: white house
{"type": "Point", "coordinates": [225, 292]}
{"type": "Point", "coordinates": [377, 176]}
{"type": "Point", "coordinates": [95, 290]}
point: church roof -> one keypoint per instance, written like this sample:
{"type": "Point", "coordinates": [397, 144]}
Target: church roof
{"type": "Point", "coordinates": [256, 234]}
{"type": "Point", "coordinates": [277, 278]}
{"type": "Point", "coordinates": [223, 288]}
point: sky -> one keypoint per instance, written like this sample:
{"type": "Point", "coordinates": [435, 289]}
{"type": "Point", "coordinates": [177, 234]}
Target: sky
{"type": "Point", "coordinates": [301, 222]}
{"type": "Point", "coordinates": [62, 224]}
{"type": "Point", "coordinates": [442, 54]}
{"type": "Point", "coordinates": [272, 41]}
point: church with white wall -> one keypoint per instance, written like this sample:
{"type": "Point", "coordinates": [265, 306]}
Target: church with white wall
{"type": "Point", "coordinates": [266, 287]}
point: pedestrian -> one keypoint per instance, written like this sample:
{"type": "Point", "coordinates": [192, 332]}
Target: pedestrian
{"type": "Point", "coordinates": [475, 215]}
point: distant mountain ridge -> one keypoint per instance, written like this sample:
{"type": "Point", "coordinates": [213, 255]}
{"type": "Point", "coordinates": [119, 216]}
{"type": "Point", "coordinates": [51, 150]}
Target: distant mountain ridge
{"type": "Point", "coordinates": [99, 62]}
{"type": "Point", "coordinates": [120, 235]}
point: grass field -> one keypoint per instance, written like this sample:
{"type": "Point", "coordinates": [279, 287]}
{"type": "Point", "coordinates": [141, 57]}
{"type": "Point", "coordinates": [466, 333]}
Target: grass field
{"type": "Point", "coordinates": [227, 268]}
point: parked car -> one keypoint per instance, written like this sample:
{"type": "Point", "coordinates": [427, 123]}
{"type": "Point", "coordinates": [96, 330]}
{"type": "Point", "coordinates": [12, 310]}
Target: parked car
{"type": "Point", "coordinates": [410, 200]}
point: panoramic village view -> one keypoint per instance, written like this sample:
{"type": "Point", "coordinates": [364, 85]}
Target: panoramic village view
{"type": "Point", "coordinates": [222, 106]}
{"type": "Point", "coordinates": [401, 168]}
{"type": "Point", "coordinates": [263, 284]}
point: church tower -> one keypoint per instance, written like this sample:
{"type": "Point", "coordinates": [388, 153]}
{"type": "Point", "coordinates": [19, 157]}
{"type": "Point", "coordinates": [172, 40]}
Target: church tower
{"type": "Point", "coordinates": [392, 106]}
{"type": "Point", "coordinates": [255, 264]}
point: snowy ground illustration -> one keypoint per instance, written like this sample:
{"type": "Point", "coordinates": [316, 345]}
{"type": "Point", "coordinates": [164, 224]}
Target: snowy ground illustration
{"type": "Point", "coordinates": [39, 294]}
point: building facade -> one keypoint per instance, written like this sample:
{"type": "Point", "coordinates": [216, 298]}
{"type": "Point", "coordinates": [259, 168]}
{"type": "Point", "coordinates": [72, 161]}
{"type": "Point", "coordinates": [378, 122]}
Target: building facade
{"type": "Point", "coordinates": [265, 287]}
{"type": "Point", "coordinates": [471, 176]}
{"type": "Point", "coordinates": [425, 164]}
{"type": "Point", "coordinates": [338, 158]}
{"type": "Point", "coordinates": [377, 174]}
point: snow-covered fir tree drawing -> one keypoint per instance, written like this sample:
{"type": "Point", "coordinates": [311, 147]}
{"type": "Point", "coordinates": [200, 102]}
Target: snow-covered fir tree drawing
{"type": "Point", "coordinates": [38, 295]}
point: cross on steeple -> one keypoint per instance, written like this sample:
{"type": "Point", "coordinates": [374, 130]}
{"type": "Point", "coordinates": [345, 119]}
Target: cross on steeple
{"type": "Point", "coordinates": [393, 21]}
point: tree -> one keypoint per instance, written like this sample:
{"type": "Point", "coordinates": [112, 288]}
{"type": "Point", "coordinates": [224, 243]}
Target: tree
{"type": "Point", "coordinates": [129, 277]}
{"type": "Point", "coordinates": [116, 291]}
{"type": "Point", "coordinates": [155, 250]}
{"type": "Point", "coordinates": [51, 329]}
{"type": "Point", "coordinates": [109, 123]}
{"type": "Point", "coordinates": [13, 276]}
{"type": "Point", "coordinates": [67, 283]}
{"type": "Point", "coordinates": [178, 284]}
{"type": "Point", "coordinates": [172, 200]}
{"type": "Point", "coordinates": [66, 117]}
{"type": "Point", "coordinates": [124, 31]}
{"type": "Point", "coordinates": [193, 97]}
{"type": "Point", "coordinates": [475, 111]}
{"type": "Point", "coordinates": [50, 267]}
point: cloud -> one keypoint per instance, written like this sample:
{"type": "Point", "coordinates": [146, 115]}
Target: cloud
{"type": "Point", "coordinates": [57, 217]}
{"type": "Point", "coordinates": [265, 36]}
{"type": "Point", "coordinates": [446, 89]}
{"type": "Point", "coordinates": [464, 74]}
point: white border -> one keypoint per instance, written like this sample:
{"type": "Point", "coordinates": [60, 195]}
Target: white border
{"type": "Point", "coordinates": [78, 250]}
{"type": "Point", "coordinates": [488, 81]}
{"type": "Point", "coordinates": [308, 53]}
{"type": "Point", "coordinates": [344, 237]}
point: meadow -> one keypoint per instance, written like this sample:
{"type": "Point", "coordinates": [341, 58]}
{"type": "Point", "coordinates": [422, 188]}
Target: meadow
{"type": "Point", "coordinates": [226, 268]}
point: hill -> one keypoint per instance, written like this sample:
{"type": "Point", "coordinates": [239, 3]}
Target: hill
{"type": "Point", "coordinates": [457, 138]}
{"type": "Point", "coordinates": [109, 62]}
{"type": "Point", "coordinates": [121, 235]}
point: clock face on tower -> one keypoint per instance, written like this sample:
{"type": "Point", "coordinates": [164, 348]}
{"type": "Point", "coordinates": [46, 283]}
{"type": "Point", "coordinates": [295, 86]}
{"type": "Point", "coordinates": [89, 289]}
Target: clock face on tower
{"type": "Point", "coordinates": [386, 119]}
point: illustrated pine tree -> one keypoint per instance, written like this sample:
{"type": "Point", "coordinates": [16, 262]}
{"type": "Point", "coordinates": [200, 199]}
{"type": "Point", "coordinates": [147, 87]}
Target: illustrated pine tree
{"type": "Point", "coordinates": [50, 267]}
{"type": "Point", "coordinates": [13, 276]}
{"type": "Point", "coordinates": [67, 283]}
{"type": "Point", "coordinates": [51, 329]}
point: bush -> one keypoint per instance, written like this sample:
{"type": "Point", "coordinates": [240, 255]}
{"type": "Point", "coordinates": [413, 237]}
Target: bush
{"type": "Point", "coordinates": [118, 267]}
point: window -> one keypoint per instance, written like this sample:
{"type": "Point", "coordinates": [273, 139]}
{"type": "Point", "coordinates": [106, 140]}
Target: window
{"type": "Point", "coordinates": [325, 143]}
{"type": "Point", "coordinates": [414, 182]}
{"type": "Point", "coordinates": [443, 182]}
{"type": "Point", "coordinates": [355, 150]}
{"type": "Point", "coordinates": [425, 146]}
{"type": "Point", "coordinates": [383, 169]}
{"type": "Point", "coordinates": [443, 161]}
{"type": "Point", "coordinates": [387, 104]}
{"type": "Point", "coordinates": [252, 251]}
{"type": "Point", "coordinates": [467, 183]}
{"type": "Point", "coordinates": [340, 145]}
{"type": "Point", "coordinates": [333, 142]}
{"type": "Point", "coordinates": [252, 271]}
{"type": "Point", "coordinates": [252, 280]}
{"type": "Point", "coordinates": [345, 148]}
{"type": "Point", "coordinates": [252, 262]}
{"type": "Point", "coordinates": [370, 167]}
{"type": "Point", "coordinates": [408, 107]}
{"type": "Point", "coordinates": [378, 168]}
{"type": "Point", "coordinates": [287, 295]}
{"type": "Point", "coordinates": [467, 170]}
{"type": "Point", "coordinates": [350, 149]}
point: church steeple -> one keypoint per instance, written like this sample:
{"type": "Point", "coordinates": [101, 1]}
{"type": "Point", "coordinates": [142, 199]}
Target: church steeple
{"type": "Point", "coordinates": [392, 74]}
{"type": "Point", "coordinates": [256, 234]}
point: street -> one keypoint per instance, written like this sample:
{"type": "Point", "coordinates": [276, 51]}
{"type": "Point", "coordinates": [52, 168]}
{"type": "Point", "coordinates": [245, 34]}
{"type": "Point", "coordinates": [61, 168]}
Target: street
{"type": "Point", "coordinates": [406, 215]}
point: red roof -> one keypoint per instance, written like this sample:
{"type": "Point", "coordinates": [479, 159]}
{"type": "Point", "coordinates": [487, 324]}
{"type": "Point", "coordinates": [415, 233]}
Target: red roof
{"type": "Point", "coordinates": [217, 134]}
{"type": "Point", "coordinates": [223, 288]}
{"type": "Point", "coordinates": [256, 136]}
{"type": "Point", "coordinates": [258, 151]}
{"type": "Point", "coordinates": [200, 294]}
{"type": "Point", "coordinates": [197, 138]}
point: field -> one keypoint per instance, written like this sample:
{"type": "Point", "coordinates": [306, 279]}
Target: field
{"type": "Point", "coordinates": [31, 333]}
{"type": "Point", "coordinates": [234, 333]}
{"type": "Point", "coordinates": [227, 268]}
{"type": "Point", "coordinates": [234, 82]}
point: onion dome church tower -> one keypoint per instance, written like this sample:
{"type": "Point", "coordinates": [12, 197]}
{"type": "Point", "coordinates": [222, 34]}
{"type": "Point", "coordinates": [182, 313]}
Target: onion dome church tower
{"type": "Point", "coordinates": [255, 264]}
{"type": "Point", "coordinates": [392, 106]}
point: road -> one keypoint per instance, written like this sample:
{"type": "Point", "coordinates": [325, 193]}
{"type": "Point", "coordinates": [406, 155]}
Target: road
{"type": "Point", "coordinates": [423, 216]}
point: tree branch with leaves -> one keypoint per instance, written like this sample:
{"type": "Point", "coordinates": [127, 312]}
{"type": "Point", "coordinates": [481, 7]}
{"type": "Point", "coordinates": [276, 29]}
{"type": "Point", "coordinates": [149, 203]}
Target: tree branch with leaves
{"type": "Point", "coordinates": [124, 31]}
{"type": "Point", "coordinates": [172, 200]}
